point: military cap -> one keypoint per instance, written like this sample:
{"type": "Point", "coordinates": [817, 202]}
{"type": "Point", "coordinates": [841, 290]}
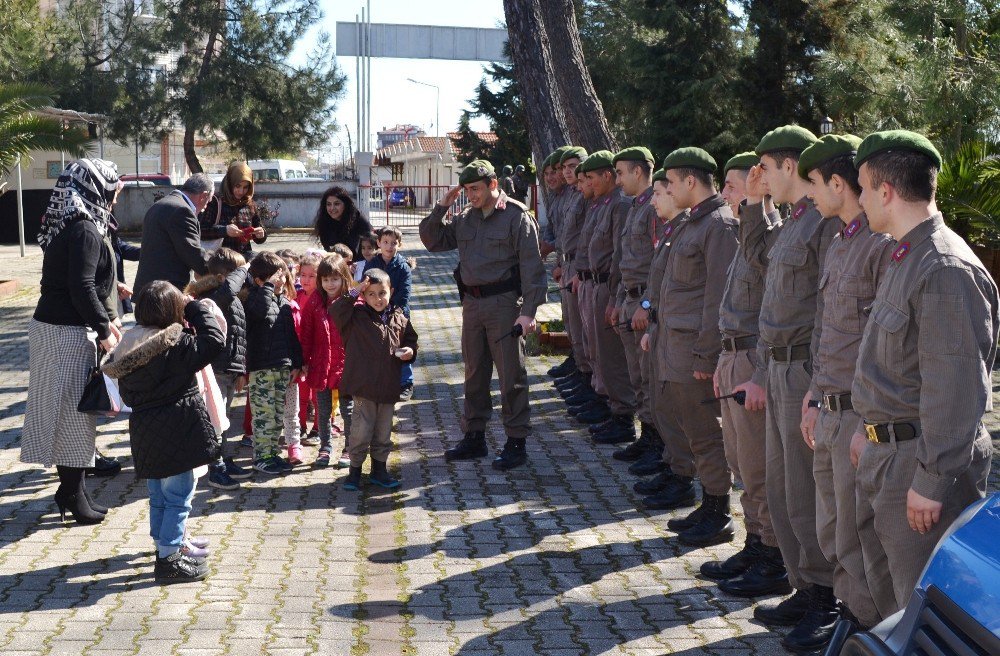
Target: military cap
{"type": "Point", "coordinates": [690, 158]}
{"type": "Point", "coordinates": [507, 170]}
{"type": "Point", "coordinates": [634, 154]}
{"type": "Point", "coordinates": [742, 161]}
{"type": "Point", "coordinates": [475, 171]}
{"type": "Point", "coordinates": [578, 152]}
{"type": "Point", "coordinates": [547, 162]}
{"type": "Point", "coordinates": [827, 148]}
{"type": "Point", "coordinates": [659, 175]}
{"type": "Point", "coordinates": [787, 137]}
{"type": "Point", "coordinates": [895, 140]}
{"type": "Point", "coordinates": [602, 159]}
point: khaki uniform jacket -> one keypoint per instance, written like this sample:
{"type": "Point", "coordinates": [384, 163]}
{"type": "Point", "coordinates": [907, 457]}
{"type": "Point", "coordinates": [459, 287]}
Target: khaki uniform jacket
{"type": "Point", "coordinates": [691, 291]}
{"type": "Point", "coordinates": [612, 209]}
{"type": "Point", "coordinates": [928, 349]}
{"type": "Point", "coordinates": [554, 217]}
{"type": "Point", "coordinates": [635, 248]}
{"type": "Point", "coordinates": [489, 247]}
{"type": "Point", "coordinates": [659, 264]}
{"type": "Point", "coordinates": [855, 264]}
{"type": "Point", "coordinates": [574, 211]}
{"type": "Point", "coordinates": [590, 218]}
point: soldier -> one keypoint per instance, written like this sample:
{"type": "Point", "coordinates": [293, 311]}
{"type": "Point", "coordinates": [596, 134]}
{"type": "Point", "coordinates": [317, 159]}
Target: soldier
{"type": "Point", "coordinates": [634, 254]}
{"type": "Point", "coordinates": [611, 210]}
{"type": "Point", "coordinates": [555, 185]}
{"type": "Point", "coordinates": [502, 282]}
{"type": "Point", "coordinates": [757, 568]}
{"type": "Point", "coordinates": [796, 250]}
{"type": "Point", "coordinates": [922, 382]}
{"type": "Point", "coordinates": [855, 264]}
{"type": "Point", "coordinates": [688, 324]}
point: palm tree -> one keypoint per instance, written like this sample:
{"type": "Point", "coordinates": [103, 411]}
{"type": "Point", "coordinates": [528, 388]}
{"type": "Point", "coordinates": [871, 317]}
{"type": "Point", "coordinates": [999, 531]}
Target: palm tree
{"type": "Point", "coordinates": [969, 192]}
{"type": "Point", "coordinates": [22, 130]}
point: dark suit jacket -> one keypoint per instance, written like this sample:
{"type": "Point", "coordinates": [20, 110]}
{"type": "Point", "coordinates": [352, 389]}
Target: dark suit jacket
{"type": "Point", "coordinates": [171, 244]}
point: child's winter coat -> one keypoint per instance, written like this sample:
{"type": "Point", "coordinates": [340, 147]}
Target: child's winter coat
{"type": "Point", "coordinates": [322, 347]}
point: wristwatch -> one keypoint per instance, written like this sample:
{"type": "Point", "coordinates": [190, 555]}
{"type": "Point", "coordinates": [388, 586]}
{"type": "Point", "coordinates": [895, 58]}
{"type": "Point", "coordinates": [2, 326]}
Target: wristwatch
{"type": "Point", "coordinates": [645, 305]}
{"type": "Point", "coordinates": [815, 404]}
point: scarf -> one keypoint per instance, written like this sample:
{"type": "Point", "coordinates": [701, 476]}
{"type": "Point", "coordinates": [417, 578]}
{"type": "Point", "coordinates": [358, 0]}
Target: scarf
{"type": "Point", "coordinates": [84, 191]}
{"type": "Point", "coordinates": [236, 174]}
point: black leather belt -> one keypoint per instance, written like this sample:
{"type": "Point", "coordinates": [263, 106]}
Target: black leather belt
{"type": "Point", "coordinates": [739, 343]}
{"type": "Point", "coordinates": [585, 274]}
{"type": "Point", "coordinates": [600, 278]}
{"type": "Point", "coordinates": [883, 433]}
{"type": "Point", "coordinates": [492, 289]}
{"type": "Point", "coordinates": [837, 402]}
{"type": "Point", "coordinates": [790, 353]}
{"type": "Point", "coordinates": [635, 292]}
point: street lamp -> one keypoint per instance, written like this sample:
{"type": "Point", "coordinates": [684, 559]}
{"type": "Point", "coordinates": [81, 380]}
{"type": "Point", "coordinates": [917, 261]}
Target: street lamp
{"type": "Point", "coordinates": [826, 125]}
{"type": "Point", "coordinates": [437, 112]}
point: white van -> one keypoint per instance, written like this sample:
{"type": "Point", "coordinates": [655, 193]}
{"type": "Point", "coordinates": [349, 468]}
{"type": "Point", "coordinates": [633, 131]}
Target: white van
{"type": "Point", "coordinates": [279, 170]}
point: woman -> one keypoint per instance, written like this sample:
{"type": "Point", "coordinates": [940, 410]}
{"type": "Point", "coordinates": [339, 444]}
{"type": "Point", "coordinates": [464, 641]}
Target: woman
{"type": "Point", "coordinates": [231, 219]}
{"type": "Point", "coordinates": [338, 221]}
{"type": "Point", "coordinates": [78, 279]}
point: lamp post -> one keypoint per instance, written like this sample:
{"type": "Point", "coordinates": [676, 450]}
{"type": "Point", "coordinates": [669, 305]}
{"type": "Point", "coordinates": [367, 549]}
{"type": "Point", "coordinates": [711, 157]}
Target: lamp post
{"type": "Point", "coordinates": [437, 112]}
{"type": "Point", "coordinates": [826, 125]}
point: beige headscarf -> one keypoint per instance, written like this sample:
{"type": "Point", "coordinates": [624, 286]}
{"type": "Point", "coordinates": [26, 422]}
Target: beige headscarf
{"type": "Point", "coordinates": [237, 173]}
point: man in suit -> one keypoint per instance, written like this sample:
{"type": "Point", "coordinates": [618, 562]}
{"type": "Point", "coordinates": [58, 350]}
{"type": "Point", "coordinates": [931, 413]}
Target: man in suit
{"type": "Point", "coordinates": [171, 238]}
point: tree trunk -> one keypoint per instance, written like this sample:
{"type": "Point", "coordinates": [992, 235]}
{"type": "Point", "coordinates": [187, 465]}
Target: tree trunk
{"type": "Point", "coordinates": [190, 156]}
{"type": "Point", "coordinates": [584, 113]}
{"type": "Point", "coordinates": [196, 90]}
{"type": "Point", "coordinates": [535, 74]}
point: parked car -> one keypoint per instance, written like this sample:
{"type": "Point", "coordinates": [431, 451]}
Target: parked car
{"type": "Point", "coordinates": [402, 197]}
{"type": "Point", "coordinates": [158, 179]}
{"type": "Point", "coordinates": [280, 170]}
{"type": "Point", "coordinates": [955, 608]}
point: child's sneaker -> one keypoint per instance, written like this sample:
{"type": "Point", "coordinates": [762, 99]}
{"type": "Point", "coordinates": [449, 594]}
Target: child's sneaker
{"type": "Point", "coordinates": [323, 459]}
{"type": "Point", "coordinates": [314, 432]}
{"type": "Point", "coordinates": [270, 466]}
{"type": "Point", "coordinates": [345, 460]}
{"type": "Point", "coordinates": [247, 442]}
{"type": "Point", "coordinates": [192, 551]}
{"type": "Point", "coordinates": [235, 471]}
{"type": "Point", "coordinates": [406, 392]}
{"type": "Point", "coordinates": [309, 440]}
{"type": "Point", "coordinates": [294, 454]}
{"type": "Point", "coordinates": [353, 480]}
{"type": "Point", "coordinates": [380, 475]}
{"type": "Point", "coordinates": [219, 479]}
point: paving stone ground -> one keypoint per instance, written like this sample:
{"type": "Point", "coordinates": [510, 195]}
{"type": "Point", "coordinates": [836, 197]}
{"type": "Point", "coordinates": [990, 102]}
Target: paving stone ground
{"type": "Point", "coordinates": [552, 558]}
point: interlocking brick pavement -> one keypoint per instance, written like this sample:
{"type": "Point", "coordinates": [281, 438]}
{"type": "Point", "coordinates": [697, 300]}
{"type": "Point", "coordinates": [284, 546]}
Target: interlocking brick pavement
{"type": "Point", "coordinates": [552, 558]}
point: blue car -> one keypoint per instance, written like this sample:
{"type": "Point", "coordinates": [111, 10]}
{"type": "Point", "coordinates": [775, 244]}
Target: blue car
{"type": "Point", "coordinates": [955, 608]}
{"type": "Point", "coordinates": [401, 197]}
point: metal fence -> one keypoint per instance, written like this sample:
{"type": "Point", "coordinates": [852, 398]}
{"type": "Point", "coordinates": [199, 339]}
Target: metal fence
{"type": "Point", "coordinates": [401, 206]}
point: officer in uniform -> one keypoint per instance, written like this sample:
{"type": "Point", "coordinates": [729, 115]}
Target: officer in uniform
{"type": "Point", "coordinates": [757, 569]}
{"type": "Point", "coordinates": [922, 382]}
{"type": "Point", "coordinates": [688, 324]}
{"type": "Point", "coordinates": [796, 250]}
{"type": "Point", "coordinates": [608, 222]}
{"type": "Point", "coordinates": [634, 254]}
{"type": "Point", "coordinates": [556, 187]}
{"type": "Point", "coordinates": [502, 282]}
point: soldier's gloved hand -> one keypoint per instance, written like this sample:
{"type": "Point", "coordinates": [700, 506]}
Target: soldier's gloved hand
{"type": "Point", "coordinates": [756, 397]}
{"type": "Point", "coordinates": [922, 513]}
{"type": "Point", "coordinates": [527, 324]}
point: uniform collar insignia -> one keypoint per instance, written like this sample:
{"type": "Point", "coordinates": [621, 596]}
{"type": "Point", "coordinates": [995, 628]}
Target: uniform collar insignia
{"type": "Point", "coordinates": [666, 233]}
{"type": "Point", "coordinates": [852, 228]}
{"type": "Point", "coordinates": [901, 251]}
{"type": "Point", "coordinates": [799, 211]}
{"type": "Point", "coordinates": [607, 200]}
{"type": "Point", "coordinates": [643, 197]}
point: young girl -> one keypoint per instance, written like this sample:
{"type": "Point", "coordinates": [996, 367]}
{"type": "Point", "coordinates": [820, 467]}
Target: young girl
{"type": "Point", "coordinates": [169, 429]}
{"type": "Point", "coordinates": [369, 247]}
{"type": "Point", "coordinates": [323, 350]}
{"type": "Point", "coordinates": [290, 416]}
{"type": "Point", "coordinates": [308, 265]}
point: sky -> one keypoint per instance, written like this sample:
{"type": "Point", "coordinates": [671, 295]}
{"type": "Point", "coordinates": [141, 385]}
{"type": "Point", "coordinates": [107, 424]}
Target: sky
{"type": "Point", "coordinates": [394, 99]}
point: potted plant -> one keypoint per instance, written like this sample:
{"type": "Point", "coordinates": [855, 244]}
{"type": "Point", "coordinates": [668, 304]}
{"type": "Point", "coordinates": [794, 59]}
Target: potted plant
{"type": "Point", "coordinates": [969, 197]}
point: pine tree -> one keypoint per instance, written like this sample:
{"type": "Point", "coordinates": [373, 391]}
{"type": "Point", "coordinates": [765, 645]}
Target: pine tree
{"type": "Point", "coordinates": [504, 110]}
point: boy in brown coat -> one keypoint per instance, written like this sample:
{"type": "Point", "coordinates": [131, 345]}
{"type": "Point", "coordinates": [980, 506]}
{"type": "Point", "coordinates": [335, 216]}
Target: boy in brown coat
{"type": "Point", "coordinates": [378, 338]}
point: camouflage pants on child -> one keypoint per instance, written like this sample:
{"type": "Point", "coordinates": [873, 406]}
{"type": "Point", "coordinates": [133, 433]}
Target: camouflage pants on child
{"type": "Point", "coordinates": [267, 401]}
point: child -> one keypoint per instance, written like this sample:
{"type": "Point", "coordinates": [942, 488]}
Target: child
{"type": "Point", "coordinates": [274, 357]}
{"type": "Point", "coordinates": [323, 350]}
{"type": "Point", "coordinates": [368, 247]}
{"type": "Point", "coordinates": [169, 429]}
{"type": "Point", "coordinates": [378, 338]}
{"type": "Point", "coordinates": [389, 240]}
{"type": "Point", "coordinates": [344, 251]}
{"type": "Point", "coordinates": [227, 273]}
{"type": "Point", "coordinates": [308, 265]}
{"type": "Point", "coordinates": [292, 435]}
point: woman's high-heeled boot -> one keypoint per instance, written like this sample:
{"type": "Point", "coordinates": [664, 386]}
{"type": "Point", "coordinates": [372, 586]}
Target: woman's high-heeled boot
{"type": "Point", "coordinates": [71, 496]}
{"type": "Point", "coordinates": [96, 507]}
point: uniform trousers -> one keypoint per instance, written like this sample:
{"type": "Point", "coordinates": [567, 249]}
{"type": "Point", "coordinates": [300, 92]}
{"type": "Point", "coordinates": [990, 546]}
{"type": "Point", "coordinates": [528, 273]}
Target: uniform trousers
{"type": "Point", "coordinates": [743, 434]}
{"type": "Point", "coordinates": [611, 357]}
{"type": "Point", "coordinates": [486, 326]}
{"type": "Point", "coordinates": [266, 392]}
{"type": "Point", "coordinates": [638, 361]}
{"type": "Point", "coordinates": [791, 488]}
{"type": "Point", "coordinates": [836, 517]}
{"type": "Point", "coordinates": [588, 297]}
{"type": "Point", "coordinates": [574, 323]}
{"type": "Point", "coordinates": [888, 544]}
{"type": "Point", "coordinates": [700, 424]}
{"type": "Point", "coordinates": [371, 431]}
{"type": "Point", "coordinates": [676, 450]}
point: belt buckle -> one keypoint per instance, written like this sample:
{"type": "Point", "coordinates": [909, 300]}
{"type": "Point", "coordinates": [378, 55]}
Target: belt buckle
{"type": "Point", "coordinates": [872, 435]}
{"type": "Point", "coordinates": [827, 404]}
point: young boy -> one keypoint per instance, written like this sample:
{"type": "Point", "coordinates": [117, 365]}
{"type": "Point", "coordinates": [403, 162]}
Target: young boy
{"type": "Point", "coordinates": [389, 239]}
{"type": "Point", "coordinates": [274, 357]}
{"type": "Point", "coordinates": [378, 338]}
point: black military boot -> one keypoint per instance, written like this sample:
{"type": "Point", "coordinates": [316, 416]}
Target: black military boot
{"type": "Point", "coordinates": [472, 446]}
{"type": "Point", "coordinates": [571, 382]}
{"type": "Point", "coordinates": [715, 525]}
{"type": "Point", "coordinates": [567, 366]}
{"type": "Point", "coordinates": [650, 462]}
{"type": "Point", "coordinates": [634, 451]}
{"type": "Point", "coordinates": [655, 484]}
{"type": "Point", "coordinates": [595, 413]}
{"type": "Point", "coordinates": [514, 454]}
{"type": "Point", "coordinates": [815, 629]}
{"type": "Point", "coordinates": [680, 524]}
{"type": "Point", "coordinates": [738, 563]}
{"type": "Point", "coordinates": [786, 613]}
{"type": "Point", "coordinates": [621, 430]}
{"type": "Point", "coordinates": [678, 493]}
{"type": "Point", "coordinates": [582, 397]}
{"type": "Point", "coordinates": [767, 576]}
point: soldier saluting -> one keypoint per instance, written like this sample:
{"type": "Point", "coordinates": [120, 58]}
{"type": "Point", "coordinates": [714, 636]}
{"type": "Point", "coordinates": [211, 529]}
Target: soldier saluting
{"type": "Point", "coordinates": [501, 281]}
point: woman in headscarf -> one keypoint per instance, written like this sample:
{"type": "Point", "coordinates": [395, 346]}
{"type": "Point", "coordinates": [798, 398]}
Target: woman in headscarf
{"type": "Point", "coordinates": [231, 218]}
{"type": "Point", "coordinates": [74, 315]}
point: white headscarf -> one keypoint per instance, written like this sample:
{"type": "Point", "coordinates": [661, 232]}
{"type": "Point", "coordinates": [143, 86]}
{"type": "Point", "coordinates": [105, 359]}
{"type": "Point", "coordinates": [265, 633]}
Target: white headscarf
{"type": "Point", "coordinates": [84, 191]}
